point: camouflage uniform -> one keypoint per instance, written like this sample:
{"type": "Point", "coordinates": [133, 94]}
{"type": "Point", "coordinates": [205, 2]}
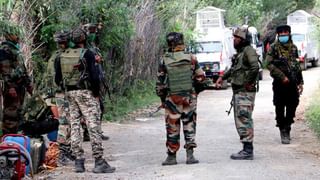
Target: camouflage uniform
{"type": "Point", "coordinates": [243, 71]}
{"type": "Point", "coordinates": [76, 73]}
{"type": "Point", "coordinates": [180, 107]}
{"type": "Point", "coordinates": [243, 75]}
{"type": "Point", "coordinates": [16, 82]}
{"type": "Point", "coordinates": [282, 63]}
{"type": "Point", "coordinates": [83, 103]}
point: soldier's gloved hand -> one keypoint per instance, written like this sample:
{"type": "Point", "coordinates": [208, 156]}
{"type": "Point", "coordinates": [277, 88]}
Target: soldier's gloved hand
{"type": "Point", "coordinates": [12, 92]}
{"type": "Point", "coordinates": [249, 87]}
{"type": "Point", "coordinates": [30, 89]}
{"type": "Point", "coordinates": [285, 80]}
{"type": "Point", "coordinates": [219, 82]}
{"type": "Point", "coordinates": [300, 88]}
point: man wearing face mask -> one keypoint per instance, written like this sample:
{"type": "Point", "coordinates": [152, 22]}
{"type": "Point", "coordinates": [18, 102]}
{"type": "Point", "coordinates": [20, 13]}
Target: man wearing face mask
{"type": "Point", "coordinates": [287, 80]}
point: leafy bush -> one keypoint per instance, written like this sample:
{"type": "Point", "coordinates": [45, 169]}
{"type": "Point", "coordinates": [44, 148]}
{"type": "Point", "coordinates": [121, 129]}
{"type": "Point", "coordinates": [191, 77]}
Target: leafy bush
{"type": "Point", "coordinates": [313, 114]}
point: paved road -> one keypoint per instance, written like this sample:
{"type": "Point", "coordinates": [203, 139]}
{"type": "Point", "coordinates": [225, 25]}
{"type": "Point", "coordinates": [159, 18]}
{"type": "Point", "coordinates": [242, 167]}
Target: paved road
{"type": "Point", "coordinates": [137, 148]}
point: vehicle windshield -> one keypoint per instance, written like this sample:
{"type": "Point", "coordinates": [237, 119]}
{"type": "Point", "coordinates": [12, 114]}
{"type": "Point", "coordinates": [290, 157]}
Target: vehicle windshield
{"type": "Point", "coordinates": [297, 37]}
{"type": "Point", "coordinates": [209, 47]}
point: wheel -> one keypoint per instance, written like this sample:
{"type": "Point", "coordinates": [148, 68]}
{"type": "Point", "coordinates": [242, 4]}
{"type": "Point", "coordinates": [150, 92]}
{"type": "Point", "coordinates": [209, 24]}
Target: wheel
{"type": "Point", "coordinates": [315, 62]}
{"type": "Point", "coordinates": [260, 75]}
{"type": "Point", "coordinates": [303, 65]}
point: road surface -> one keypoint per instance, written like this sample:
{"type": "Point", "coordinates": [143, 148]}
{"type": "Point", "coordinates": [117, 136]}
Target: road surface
{"type": "Point", "coordinates": [137, 147]}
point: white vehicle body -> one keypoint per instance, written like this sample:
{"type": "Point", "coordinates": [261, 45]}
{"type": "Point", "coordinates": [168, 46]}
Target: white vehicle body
{"type": "Point", "coordinates": [303, 36]}
{"type": "Point", "coordinates": [215, 51]}
{"type": "Point", "coordinates": [257, 45]}
{"type": "Point", "coordinates": [214, 48]}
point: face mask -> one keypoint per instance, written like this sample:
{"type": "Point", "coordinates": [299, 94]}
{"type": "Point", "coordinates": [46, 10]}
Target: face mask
{"type": "Point", "coordinates": [91, 37]}
{"type": "Point", "coordinates": [283, 39]}
{"type": "Point", "coordinates": [71, 44]}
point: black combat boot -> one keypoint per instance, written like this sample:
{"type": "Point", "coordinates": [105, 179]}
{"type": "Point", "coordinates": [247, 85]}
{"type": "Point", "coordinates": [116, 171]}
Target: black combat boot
{"type": "Point", "coordinates": [79, 165]}
{"type": "Point", "coordinates": [288, 128]}
{"type": "Point", "coordinates": [245, 154]}
{"type": "Point", "coordinates": [104, 138]}
{"type": "Point", "coordinates": [170, 160]}
{"type": "Point", "coordinates": [285, 136]}
{"type": "Point", "coordinates": [190, 157]}
{"type": "Point", "coordinates": [86, 136]}
{"type": "Point", "coordinates": [102, 166]}
{"type": "Point", "coordinates": [62, 159]}
{"type": "Point", "coordinates": [65, 154]}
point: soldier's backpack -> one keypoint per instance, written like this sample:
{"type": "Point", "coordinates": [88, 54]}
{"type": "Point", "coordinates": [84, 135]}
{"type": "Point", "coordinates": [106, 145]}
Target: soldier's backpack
{"type": "Point", "coordinates": [179, 71]}
{"type": "Point", "coordinates": [71, 61]}
{"type": "Point", "coordinates": [38, 118]}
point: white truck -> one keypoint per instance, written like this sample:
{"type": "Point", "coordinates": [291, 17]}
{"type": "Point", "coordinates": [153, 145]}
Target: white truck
{"type": "Point", "coordinates": [214, 53]}
{"type": "Point", "coordinates": [303, 36]}
{"type": "Point", "coordinates": [214, 45]}
{"type": "Point", "coordinates": [258, 46]}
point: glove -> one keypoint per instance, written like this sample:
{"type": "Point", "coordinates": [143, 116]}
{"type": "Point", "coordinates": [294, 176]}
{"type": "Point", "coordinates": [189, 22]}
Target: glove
{"type": "Point", "coordinates": [219, 82]}
{"type": "Point", "coordinates": [12, 92]}
{"type": "Point", "coordinates": [300, 88]}
{"type": "Point", "coordinates": [30, 89]}
{"type": "Point", "coordinates": [249, 87]}
{"type": "Point", "coordinates": [285, 80]}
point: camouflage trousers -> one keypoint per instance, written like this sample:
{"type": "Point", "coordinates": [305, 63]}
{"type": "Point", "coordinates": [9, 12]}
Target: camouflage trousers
{"type": "Point", "coordinates": [243, 103]}
{"type": "Point", "coordinates": [82, 104]}
{"type": "Point", "coordinates": [64, 131]}
{"type": "Point", "coordinates": [180, 109]}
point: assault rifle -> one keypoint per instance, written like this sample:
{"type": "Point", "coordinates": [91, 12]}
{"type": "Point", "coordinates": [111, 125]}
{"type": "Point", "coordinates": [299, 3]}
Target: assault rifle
{"type": "Point", "coordinates": [231, 105]}
{"type": "Point", "coordinates": [155, 111]}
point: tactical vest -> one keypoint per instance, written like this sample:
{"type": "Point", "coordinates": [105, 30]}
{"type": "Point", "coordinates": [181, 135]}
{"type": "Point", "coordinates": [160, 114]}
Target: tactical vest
{"type": "Point", "coordinates": [239, 70]}
{"type": "Point", "coordinates": [179, 71]}
{"type": "Point", "coordinates": [285, 61]}
{"type": "Point", "coordinates": [70, 61]}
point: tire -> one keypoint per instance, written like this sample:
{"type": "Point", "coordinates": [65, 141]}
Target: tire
{"type": "Point", "coordinates": [303, 65]}
{"type": "Point", "coordinates": [315, 62]}
{"type": "Point", "coordinates": [260, 75]}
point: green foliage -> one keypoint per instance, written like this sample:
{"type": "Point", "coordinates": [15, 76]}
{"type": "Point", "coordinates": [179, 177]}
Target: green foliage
{"type": "Point", "coordinates": [313, 114]}
{"type": "Point", "coordinates": [140, 94]}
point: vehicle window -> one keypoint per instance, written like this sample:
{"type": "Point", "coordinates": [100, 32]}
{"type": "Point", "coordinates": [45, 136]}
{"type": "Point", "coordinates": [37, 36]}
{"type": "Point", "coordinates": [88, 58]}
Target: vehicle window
{"type": "Point", "coordinates": [298, 37]}
{"type": "Point", "coordinates": [209, 47]}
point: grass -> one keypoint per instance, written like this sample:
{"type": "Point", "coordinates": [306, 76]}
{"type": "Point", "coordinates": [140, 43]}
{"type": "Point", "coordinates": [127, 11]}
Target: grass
{"type": "Point", "coordinates": [313, 113]}
{"type": "Point", "coordinates": [138, 96]}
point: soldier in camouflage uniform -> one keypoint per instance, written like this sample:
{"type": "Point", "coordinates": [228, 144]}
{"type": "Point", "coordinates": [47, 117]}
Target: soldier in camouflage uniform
{"type": "Point", "coordinates": [243, 74]}
{"type": "Point", "coordinates": [91, 30]}
{"type": "Point", "coordinates": [64, 131]}
{"type": "Point", "coordinates": [287, 80]}
{"type": "Point", "coordinates": [14, 78]}
{"type": "Point", "coordinates": [179, 79]}
{"type": "Point", "coordinates": [75, 72]}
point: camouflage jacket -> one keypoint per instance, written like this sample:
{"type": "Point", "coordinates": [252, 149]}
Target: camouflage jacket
{"type": "Point", "coordinates": [282, 62]}
{"type": "Point", "coordinates": [12, 67]}
{"type": "Point", "coordinates": [162, 86]}
{"type": "Point", "coordinates": [244, 70]}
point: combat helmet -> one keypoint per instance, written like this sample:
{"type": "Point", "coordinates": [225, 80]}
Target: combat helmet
{"type": "Point", "coordinates": [90, 28]}
{"type": "Point", "coordinates": [174, 39]}
{"type": "Point", "coordinates": [78, 36]}
{"type": "Point", "coordinates": [62, 36]}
